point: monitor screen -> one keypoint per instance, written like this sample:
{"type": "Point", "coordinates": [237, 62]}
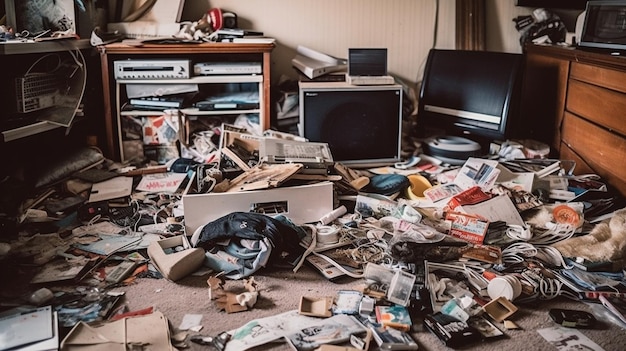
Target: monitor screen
{"type": "Point", "coordinates": [604, 26]}
{"type": "Point", "coordinates": [367, 62]}
{"type": "Point", "coordinates": [361, 124]}
{"type": "Point", "coordinates": [470, 93]}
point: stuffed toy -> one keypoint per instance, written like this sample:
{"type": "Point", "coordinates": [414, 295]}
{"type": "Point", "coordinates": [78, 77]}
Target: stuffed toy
{"type": "Point", "coordinates": [210, 22]}
{"type": "Point", "coordinates": [606, 241]}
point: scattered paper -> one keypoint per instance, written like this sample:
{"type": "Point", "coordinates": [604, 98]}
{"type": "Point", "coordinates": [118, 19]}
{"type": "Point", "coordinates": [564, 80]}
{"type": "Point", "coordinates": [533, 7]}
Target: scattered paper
{"type": "Point", "coordinates": [568, 339]}
{"type": "Point", "coordinates": [161, 182]}
{"type": "Point", "coordinates": [190, 321]}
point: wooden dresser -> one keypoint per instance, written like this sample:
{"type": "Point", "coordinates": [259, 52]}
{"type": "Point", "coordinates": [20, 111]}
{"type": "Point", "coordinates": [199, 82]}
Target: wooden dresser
{"type": "Point", "coordinates": [576, 102]}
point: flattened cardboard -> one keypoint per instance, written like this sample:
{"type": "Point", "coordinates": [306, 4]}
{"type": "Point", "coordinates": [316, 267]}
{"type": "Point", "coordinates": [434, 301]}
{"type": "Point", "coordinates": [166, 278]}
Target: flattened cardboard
{"type": "Point", "coordinates": [151, 329]}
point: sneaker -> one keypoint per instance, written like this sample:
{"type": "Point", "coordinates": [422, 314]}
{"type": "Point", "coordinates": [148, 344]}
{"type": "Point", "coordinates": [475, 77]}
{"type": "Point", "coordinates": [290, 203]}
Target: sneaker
{"type": "Point", "coordinates": [99, 37]}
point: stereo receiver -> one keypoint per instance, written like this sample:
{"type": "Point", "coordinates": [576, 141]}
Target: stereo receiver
{"type": "Point", "coordinates": [152, 69]}
{"type": "Point", "coordinates": [216, 68]}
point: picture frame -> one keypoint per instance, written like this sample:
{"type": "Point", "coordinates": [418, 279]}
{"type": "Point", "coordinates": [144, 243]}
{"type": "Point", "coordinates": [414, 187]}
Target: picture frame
{"type": "Point", "coordinates": [37, 16]}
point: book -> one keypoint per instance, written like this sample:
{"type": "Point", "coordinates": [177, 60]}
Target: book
{"type": "Point", "coordinates": [394, 316]}
{"type": "Point", "coordinates": [615, 304]}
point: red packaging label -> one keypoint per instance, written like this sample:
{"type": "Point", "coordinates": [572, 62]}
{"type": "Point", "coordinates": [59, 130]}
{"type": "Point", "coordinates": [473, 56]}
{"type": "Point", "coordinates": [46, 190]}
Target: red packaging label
{"type": "Point", "coordinates": [467, 227]}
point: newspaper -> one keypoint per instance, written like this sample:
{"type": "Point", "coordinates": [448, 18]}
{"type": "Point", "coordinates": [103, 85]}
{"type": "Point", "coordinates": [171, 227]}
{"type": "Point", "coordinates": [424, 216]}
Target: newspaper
{"type": "Point", "coordinates": [269, 329]}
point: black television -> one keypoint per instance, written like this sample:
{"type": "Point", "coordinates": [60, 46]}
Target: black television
{"type": "Point", "coordinates": [471, 94]}
{"type": "Point", "coordinates": [361, 124]}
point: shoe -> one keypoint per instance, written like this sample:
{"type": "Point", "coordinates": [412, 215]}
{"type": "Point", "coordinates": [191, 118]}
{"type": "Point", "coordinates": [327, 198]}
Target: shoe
{"type": "Point", "coordinates": [99, 37]}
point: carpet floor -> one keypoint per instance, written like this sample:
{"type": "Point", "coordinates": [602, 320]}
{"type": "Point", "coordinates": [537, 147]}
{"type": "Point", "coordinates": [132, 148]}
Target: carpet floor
{"type": "Point", "coordinates": [280, 291]}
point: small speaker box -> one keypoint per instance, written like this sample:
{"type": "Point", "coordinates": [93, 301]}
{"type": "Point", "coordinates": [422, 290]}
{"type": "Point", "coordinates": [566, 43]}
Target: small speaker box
{"type": "Point", "coordinates": [361, 124]}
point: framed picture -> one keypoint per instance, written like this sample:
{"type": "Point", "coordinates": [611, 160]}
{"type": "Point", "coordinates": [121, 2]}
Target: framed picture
{"type": "Point", "coordinates": [37, 16]}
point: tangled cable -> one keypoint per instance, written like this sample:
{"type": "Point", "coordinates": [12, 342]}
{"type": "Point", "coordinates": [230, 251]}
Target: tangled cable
{"type": "Point", "coordinates": [555, 232]}
{"type": "Point", "coordinates": [518, 252]}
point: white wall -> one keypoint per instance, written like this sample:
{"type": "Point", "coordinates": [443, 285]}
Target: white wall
{"type": "Point", "coordinates": [405, 27]}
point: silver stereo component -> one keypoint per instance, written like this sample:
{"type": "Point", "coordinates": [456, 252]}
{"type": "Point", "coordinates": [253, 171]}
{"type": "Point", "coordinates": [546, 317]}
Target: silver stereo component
{"type": "Point", "coordinates": [216, 68]}
{"type": "Point", "coordinates": [152, 69]}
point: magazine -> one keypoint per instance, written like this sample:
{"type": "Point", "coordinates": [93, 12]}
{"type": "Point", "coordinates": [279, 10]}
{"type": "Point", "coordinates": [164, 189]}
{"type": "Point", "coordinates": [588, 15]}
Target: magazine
{"type": "Point", "coordinates": [269, 329]}
{"type": "Point", "coordinates": [332, 330]}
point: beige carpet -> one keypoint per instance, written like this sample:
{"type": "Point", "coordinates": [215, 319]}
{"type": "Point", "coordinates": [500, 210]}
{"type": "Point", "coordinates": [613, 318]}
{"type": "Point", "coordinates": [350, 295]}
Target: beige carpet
{"type": "Point", "coordinates": [280, 291]}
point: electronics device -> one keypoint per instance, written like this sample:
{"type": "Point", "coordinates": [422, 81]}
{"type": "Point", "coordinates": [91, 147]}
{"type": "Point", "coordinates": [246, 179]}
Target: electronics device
{"type": "Point", "coordinates": [243, 100]}
{"type": "Point", "coordinates": [152, 69]}
{"type": "Point", "coordinates": [470, 94]}
{"type": "Point", "coordinates": [604, 26]}
{"type": "Point", "coordinates": [572, 318]}
{"type": "Point", "coordinates": [36, 91]}
{"type": "Point", "coordinates": [361, 124]}
{"type": "Point", "coordinates": [217, 68]}
{"type": "Point", "coordinates": [452, 149]}
{"type": "Point", "coordinates": [368, 66]}
{"type": "Point", "coordinates": [316, 158]}
{"type": "Point", "coordinates": [314, 64]}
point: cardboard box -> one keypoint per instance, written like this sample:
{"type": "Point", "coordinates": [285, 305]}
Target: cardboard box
{"type": "Point", "coordinates": [316, 306]}
{"type": "Point", "coordinates": [177, 264]}
{"type": "Point", "coordinates": [302, 204]}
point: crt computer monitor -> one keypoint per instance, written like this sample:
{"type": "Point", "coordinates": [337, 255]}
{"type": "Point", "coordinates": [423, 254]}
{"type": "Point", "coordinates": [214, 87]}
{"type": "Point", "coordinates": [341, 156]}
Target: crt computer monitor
{"type": "Point", "coordinates": [473, 94]}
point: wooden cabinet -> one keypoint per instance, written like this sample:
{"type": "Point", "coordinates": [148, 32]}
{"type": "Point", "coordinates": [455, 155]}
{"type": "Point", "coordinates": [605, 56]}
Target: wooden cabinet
{"type": "Point", "coordinates": [579, 97]}
{"type": "Point", "coordinates": [114, 89]}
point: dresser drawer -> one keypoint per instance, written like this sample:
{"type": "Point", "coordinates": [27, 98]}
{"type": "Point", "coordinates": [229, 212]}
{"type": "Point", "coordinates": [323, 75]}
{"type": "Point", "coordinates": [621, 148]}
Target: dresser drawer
{"type": "Point", "coordinates": [601, 150]}
{"type": "Point", "coordinates": [602, 106]}
{"type": "Point", "coordinates": [604, 77]}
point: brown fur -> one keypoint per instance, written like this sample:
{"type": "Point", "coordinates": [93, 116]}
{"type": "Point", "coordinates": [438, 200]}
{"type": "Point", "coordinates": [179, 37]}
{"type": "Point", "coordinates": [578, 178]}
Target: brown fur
{"type": "Point", "coordinates": [605, 242]}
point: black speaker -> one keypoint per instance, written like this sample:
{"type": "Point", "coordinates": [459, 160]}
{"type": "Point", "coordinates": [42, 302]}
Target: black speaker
{"type": "Point", "coordinates": [361, 124]}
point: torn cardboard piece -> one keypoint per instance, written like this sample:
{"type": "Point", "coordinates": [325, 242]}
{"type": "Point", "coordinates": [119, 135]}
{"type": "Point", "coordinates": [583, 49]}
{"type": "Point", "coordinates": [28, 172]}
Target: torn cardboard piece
{"type": "Point", "coordinates": [151, 329]}
{"type": "Point", "coordinates": [230, 301]}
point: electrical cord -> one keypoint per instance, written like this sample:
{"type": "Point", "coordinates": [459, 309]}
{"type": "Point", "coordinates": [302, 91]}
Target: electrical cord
{"type": "Point", "coordinates": [555, 233]}
{"type": "Point", "coordinates": [518, 252]}
{"type": "Point", "coordinates": [518, 232]}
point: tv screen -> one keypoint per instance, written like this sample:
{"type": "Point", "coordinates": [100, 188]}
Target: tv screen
{"type": "Point", "coordinates": [604, 26]}
{"type": "Point", "coordinates": [470, 93]}
{"type": "Point", "coordinates": [361, 124]}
